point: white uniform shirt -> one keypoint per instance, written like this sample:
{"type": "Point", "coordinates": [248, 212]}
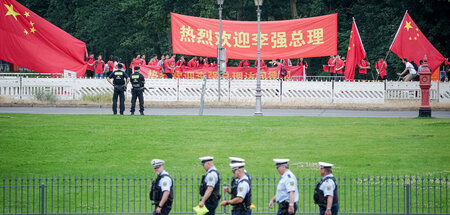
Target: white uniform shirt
{"type": "Point", "coordinates": [287, 183]}
{"type": "Point", "coordinates": [211, 177]}
{"type": "Point", "coordinates": [243, 188]}
{"type": "Point", "coordinates": [411, 68]}
{"type": "Point", "coordinates": [165, 183]}
{"type": "Point", "coordinates": [328, 186]}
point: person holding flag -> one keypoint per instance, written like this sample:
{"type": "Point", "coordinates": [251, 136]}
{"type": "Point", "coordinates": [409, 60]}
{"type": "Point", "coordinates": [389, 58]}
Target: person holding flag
{"type": "Point", "coordinates": [381, 68]}
{"type": "Point", "coordinates": [363, 66]}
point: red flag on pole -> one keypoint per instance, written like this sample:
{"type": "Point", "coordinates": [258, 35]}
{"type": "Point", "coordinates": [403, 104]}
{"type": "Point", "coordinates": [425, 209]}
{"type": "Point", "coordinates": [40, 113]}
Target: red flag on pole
{"type": "Point", "coordinates": [355, 52]}
{"type": "Point", "coordinates": [34, 43]}
{"type": "Point", "coordinates": [410, 42]}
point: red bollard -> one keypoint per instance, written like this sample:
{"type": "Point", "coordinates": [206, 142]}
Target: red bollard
{"type": "Point", "coordinates": [425, 84]}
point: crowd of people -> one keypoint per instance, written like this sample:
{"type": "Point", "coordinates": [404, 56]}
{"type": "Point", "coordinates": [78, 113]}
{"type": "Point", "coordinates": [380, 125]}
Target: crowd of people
{"type": "Point", "coordinates": [169, 65]}
{"type": "Point", "coordinates": [240, 190]}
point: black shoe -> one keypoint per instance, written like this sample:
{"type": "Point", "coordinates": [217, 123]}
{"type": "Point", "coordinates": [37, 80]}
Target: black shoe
{"type": "Point", "coordinates": [121, 113]}
{"type": "Point", "coordinates": [115, 113]}
{"type": "Point", "coordinates": [132, 113]}
{"type": "Point", "coordinates": [142, 113]}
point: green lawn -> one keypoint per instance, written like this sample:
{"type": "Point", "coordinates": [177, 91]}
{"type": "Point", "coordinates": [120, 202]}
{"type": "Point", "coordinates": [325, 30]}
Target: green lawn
{"type": "Point", "coordinates": [99, 145]}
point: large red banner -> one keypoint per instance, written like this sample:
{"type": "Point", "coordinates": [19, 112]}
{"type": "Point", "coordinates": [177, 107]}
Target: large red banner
{"type": "Point", "coordinates": [294, 73]}
{"type": "Point", "coordinates": [308, 37]}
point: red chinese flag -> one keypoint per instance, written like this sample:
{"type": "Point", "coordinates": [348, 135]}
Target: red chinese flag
{"type": "Point", "coordinates": [410, 42]}
{"type": "Point", "coordinates": [325, 68]}
{"type": "Point", "coordinates": [34, 43]}
{"type": "Point", "coordinates": [355, 52]}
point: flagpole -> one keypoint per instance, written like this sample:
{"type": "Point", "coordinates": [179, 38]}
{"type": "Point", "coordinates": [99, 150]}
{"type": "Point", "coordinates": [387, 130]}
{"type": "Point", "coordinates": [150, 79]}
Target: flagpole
{"type": "Point", "coordinates": [387, 54]}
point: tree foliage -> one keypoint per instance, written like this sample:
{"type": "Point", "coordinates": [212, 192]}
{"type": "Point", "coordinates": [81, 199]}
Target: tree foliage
{"type": "Point", "coordinates": [126, 27]}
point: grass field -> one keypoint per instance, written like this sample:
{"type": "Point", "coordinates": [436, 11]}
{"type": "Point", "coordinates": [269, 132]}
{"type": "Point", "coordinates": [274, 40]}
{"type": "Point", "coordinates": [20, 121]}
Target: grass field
{"type": "Point", "coordinates": [40, 145]}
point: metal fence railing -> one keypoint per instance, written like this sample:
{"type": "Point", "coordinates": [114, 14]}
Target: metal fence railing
{"type": "Point", "coordinates": [129, 195]}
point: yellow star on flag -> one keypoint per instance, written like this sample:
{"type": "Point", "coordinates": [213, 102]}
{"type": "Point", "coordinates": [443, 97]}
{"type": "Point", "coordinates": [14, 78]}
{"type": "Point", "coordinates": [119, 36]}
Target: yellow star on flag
{"type": "Point", "coordinates": [410, 38]}
{"type": "Point", "coordinates": [408, 26]}
{"type": "Point", "coordinates": [26, 14]}
{"type": "Point", "coordinates": [11, 11]}
{"type": "Point", "coordinates": [31, 23]}
{"type": "Point", "coordinates": [25, 31]}
{"type": "Point", "coordinates": [32, 30]}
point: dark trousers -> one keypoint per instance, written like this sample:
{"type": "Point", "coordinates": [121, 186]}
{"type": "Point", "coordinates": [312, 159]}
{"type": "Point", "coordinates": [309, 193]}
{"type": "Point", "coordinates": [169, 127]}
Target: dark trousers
{"type": "Point", "coordinates": [89, 74]}
{"type": "Point", "coordinates": [169, 75]}
{"type": "Point", "coordinates": [137, 92]}
{"type": "Point", "coordinates": [119, 91]}
{"type": "Point", "coordinates": [284, 210]}
{"type": "Point", "coordinates": [334, 209]}
{"type": "Point", "coordinates": [211, 207]}
{"type": "Point", "coordinates": [165, 210]}
{"type": "Point", "coordinates": [362, 76]}
{"type": "Point", "coordinates": [247, 212]}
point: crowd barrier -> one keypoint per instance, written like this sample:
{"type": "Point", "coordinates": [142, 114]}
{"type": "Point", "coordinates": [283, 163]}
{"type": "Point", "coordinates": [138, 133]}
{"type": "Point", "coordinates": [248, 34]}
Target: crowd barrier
{"type": "Point", "coordinates": [231, 90]}
{"type": "Point", "coordinates": [129, 195]}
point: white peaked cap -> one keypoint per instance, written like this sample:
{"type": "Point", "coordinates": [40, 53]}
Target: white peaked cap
{"type": "Point", "coordinates": [157, 163]}
{"type": "Point", "coordinates": [325, 165]}
{"type": "Point", "coordinates": [279, 161]}
{"type": "Point", "coordinates": [235, 166]}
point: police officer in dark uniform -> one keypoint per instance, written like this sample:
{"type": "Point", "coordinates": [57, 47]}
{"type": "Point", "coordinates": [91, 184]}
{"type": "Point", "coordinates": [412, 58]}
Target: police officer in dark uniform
{"type": "Point", "coordinates": [120, 82]}
{"type": "Point", "coordinates": [210, 187]}
{"type": "Point", "coordinates": [326, 192]}
{"type": "Point", "coordinates": [161, 190]}
{"type": "Point", "coordinates": [234, 180]}
{"type": "Point", "coordinates": [240, 194]}
{"type": "Point", "coordinates": [137, 82]}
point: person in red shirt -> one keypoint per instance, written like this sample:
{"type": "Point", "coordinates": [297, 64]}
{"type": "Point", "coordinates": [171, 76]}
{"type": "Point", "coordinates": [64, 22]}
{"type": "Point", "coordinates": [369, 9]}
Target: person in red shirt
{"type": "Point", "coordinates": [90, 66]}
{"type": "Point", "coordinates": [153, 61]}
{"type": "Point", "coordinates": [244, 63]}
{"type": "Point", "coordinates": [339, 67]}
{"type": "Point", "coordinates": [206, 62]}
{"type": "Point", "coordinates": [181, 64]}
{"type": "Point", "coordinates": [381, 68]}
{"type": "Point", "coordinates": [200, 62]}
{"type": "Point", "coordinates": [193, 62]}
{"type": "Point", "coordinates": [262, 64]}
{"type": "Point", "coordinates": [136, 62]}
{"type": "Point", "coordinates": [142, 60]}
{"type": "Point", "coordinates": [363, 66]}
{"type": "Point", "coordinates": [332, 66]}
{"type": "Point", "coordinates": [303, 66]}
{"type": "Point", "coordinates": [170, 66]}
{"type": "Point", "coordinates": [110, 66]}
{"type": "Point", "coordinates": [99, 66]}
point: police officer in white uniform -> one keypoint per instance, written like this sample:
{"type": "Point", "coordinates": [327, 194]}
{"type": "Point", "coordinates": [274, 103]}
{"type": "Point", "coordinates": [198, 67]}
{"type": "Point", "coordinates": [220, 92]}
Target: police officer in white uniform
{"type": "Point", "coordinates": [329, 204]}
{"type": "Point", "coordinates": [240, 194]}
{"type": "Point", "coordinates": [238, 160]}
{"type": "Point", "coordinates": [210, 187]}
{"type": "Point", "coordinates": [287, 191]}
{"type": "Point", "coordinates": [161, 189]}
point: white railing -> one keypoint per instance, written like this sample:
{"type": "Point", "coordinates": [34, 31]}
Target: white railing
{"type": "Point", "coordinates": [231, 90]}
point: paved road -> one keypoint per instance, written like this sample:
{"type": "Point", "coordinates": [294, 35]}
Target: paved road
{"type": "Point", "coordinates": [227, 112]}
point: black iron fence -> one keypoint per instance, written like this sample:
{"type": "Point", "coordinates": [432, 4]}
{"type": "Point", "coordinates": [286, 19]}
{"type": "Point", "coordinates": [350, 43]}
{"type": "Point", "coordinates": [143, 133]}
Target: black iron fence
{"type": "Point", "coordinates": [129, 195]}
